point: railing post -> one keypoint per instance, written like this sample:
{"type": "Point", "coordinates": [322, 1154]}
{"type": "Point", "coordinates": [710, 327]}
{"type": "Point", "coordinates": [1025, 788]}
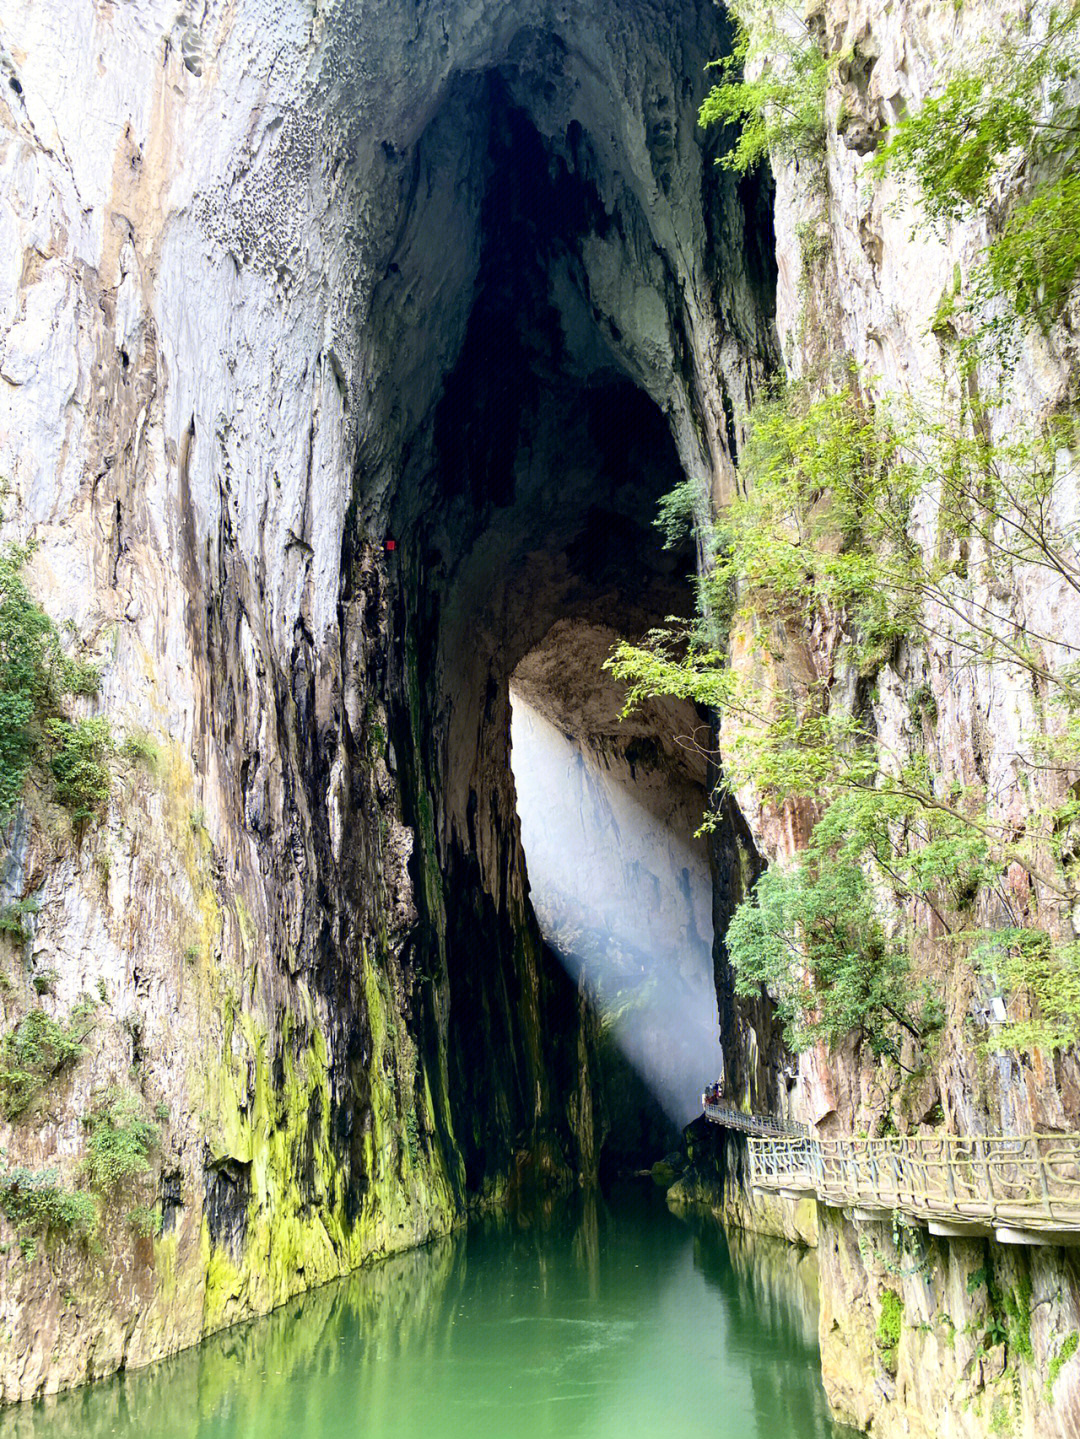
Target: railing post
{"type": "Point", "coordinates": [981, 1145]}
{"type": "Point", "coordinates": [950, 1178]}
{"type": "Point", "coordinates": [1044, 1183]}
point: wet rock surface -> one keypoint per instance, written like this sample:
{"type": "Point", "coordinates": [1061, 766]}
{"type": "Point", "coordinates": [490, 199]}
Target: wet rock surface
{"type": "Point", "coordinates": [278, 284]}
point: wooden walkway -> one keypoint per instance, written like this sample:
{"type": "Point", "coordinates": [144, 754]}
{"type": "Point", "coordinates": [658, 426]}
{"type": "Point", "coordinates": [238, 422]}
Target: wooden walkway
{"type": "Point", "coordinates": [1022, 1189]}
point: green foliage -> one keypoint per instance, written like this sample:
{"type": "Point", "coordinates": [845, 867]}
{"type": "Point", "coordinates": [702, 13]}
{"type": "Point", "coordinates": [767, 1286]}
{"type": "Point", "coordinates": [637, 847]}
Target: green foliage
{"type": "Point", "coordinates": [817, 542]}
{"type": "Point", "coordinates": [977, 1279]}
{"type": "Point", "coordinates": [139, 748]}
{"type": "Point", "coordinates": [145, 1220]}
{"type": "Point", "coordinates": [1016, 1306]}
{"type": "Point", "coordinates": [889, 1327]}
{"type": "Point", "coordinates": [34, 1199]}
{"type": "Point", "coordinates": [121, 1138]}
{"type": "Point", "coordinates": [44, 981]}
{"type": "Point", "coordinates": [79, 765]}
{"type": "Point", "coordinates": [35, 675]}
{"type": "Point", "coordinates": [1008, 1315]}
{"type": "Point", "coordinates": [37, 1050]}
{"type": "Point", "coordinates": [781, 112]}
{"type": "Point", "coordinates": [812, 936]}
{"type": "Point", "coordinates": [1068, 1348]}
{"type": "Point", "coordinates": [412, 1135]}
{"type": "Point", "coordinates": [814, 248]}
{"type": "Point", "coordinates": [1021, 960]}
{"type": "Point", "coordinates": [681, 512]}
{"type": "Point", "coordinates": [1035, 259]}
{"type": "Point", "coordinates": [13, 917]}
{"type": "Point", "coordinates": [1018, 98]}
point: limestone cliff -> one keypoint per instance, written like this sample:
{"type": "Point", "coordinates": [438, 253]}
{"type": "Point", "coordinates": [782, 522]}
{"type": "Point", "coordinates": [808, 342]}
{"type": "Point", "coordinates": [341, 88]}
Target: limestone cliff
{"type": "Point", "coordinates": [279, 283]}
{"type": "Point", "coordinates": [345, 351]}
{"type": "Point", "coordinates": [864, 280]}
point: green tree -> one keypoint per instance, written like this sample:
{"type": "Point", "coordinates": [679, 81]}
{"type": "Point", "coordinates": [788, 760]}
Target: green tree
{"type": "Point", "coordinates": [818, 542]}
{"type": "Point", "coordinates": [781, 112]}
{"type": "Point", "coordinates": [1018, 100]}
{"type": "Point", "coordinates": [812, 936]}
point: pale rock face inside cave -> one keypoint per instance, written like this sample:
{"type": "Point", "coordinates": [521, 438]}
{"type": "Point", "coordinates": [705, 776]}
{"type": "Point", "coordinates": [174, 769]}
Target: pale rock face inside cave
{"type": "Point", "coordinates": [463, 275]}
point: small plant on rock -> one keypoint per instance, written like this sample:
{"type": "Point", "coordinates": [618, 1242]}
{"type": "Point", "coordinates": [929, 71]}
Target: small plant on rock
{"type": "Point", "coordinates": [13, 918]}
{"type": "Point", "coordinates": [79, 765]}
{"type": "Point", "coordinates": [35, 1200]}
{"type": "Point", "coordinates": [145, 1220]}
{"type": "Point", "coordinates": [35, 676]}
{"type": "Point", "coordinates": [889, 1326]}
{"type": "Point", "coordinates": [36, 1051]}
{"type": "Point", "coordinates": [141, 749]}
{"type": "Point", "coordinates": [121, 1139]}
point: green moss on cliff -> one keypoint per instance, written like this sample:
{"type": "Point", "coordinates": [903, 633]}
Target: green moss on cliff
{"type": "Point", "coordinates": [889, 1327]}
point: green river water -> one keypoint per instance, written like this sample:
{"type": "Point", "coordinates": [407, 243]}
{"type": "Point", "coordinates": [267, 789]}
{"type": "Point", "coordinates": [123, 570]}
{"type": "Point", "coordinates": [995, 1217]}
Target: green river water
{"type": "Point", "coordinates": [610, 1320]}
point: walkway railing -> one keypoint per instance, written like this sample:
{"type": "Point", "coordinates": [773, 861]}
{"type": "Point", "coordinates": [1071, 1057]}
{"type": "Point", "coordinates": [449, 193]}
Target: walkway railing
{"type": "Point", "coordinates": [1028, 1182]}
{"type": "Point", "coordinates": [760, 1124]}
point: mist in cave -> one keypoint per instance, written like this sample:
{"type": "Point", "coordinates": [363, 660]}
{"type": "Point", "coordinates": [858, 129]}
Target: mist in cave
{"type": "Point", "coordinates": [622, 891]}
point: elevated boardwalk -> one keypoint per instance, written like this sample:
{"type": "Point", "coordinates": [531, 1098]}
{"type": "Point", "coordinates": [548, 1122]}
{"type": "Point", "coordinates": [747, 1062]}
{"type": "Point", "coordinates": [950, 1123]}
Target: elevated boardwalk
{"type": "Point", "coordinates": [765, 1126]}
{"type": "Point", "coordinates": [1018, 1189]}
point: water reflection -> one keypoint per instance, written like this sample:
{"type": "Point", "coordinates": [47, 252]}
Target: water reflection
{"type": "Point", "coordinates": [609, 1319]}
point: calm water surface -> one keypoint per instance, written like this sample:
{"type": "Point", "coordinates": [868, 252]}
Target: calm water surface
{"type": "Point", "coordinates": [610, 1321]}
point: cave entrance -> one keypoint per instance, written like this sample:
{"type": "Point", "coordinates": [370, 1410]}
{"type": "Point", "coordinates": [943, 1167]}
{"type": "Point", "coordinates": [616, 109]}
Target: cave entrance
{"type": "Point", "coordinates": [572, 293]}
{"type": "Point", "coordinates": [610, 809]}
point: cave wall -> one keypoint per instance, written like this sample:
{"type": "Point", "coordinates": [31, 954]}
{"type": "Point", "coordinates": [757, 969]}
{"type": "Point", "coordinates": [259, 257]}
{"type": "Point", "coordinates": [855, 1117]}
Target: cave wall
{"type": "Point", "coordinates": [860, 279]}
{"type": "Point", "coordinates": [240, 246]}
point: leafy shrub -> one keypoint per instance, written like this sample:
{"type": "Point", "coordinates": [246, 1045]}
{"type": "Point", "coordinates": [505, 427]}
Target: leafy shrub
{"type": "Point", "coordinates": [35, 1051]}
{"type": "Point", "coordinates": [141, 749]}
{"type": "Point", "coordinates": [35, 675]}
{"type": "Point", "coordinates": [13, 917]}
{"type": "Point", "coordinates": [782, 111]}
{"type": "Point", "coordinates": [1028, 961]}
{"type": "Point", "coordinates": [145, 1220]}
{"type": "Point", "coordinates": [956, 147]}
{"type": "Point", "coordinates": [79, 765]}
{"type": "Point", "coordinates": [33, 1199]}
{"type": "Point", "coordinates": [1069, 1346]}
{"type": "Point", "coordinates": [121, 1139]}
{"type": "Point", "coordinates": [812, 937]}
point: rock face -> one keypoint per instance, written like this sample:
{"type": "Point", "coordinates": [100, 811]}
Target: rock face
{"type": "Point", "coordinates": [278, 284]}
{"type": "Point", "coordinates": [345, 350]}
{"type": "Point", "coordinates": [983, 1330]}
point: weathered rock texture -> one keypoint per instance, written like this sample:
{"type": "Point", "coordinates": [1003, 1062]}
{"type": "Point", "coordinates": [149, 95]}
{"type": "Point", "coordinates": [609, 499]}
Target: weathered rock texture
{"type": "Point", "coordinates": [859, 279]}
{"type": "Point", "coordinates": [278, 282]}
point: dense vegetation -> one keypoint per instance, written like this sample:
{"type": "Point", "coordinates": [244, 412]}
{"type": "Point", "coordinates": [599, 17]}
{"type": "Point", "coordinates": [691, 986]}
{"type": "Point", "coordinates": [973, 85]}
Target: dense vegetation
{"type": "Point", "coordinates": [781, 110]}
{"type": "Point", "coordinates": [121, 1136]}
{"type": "Point", "coordinates": [870, 532]}
{"type": "Point", "coordinates": [36, 677]}
{"type": "Point", "coordinates": [37, 1050]}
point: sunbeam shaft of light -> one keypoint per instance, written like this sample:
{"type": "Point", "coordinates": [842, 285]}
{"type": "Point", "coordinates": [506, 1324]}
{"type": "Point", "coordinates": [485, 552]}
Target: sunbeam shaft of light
{"type": "Point", "coordinates": [623, 895]}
